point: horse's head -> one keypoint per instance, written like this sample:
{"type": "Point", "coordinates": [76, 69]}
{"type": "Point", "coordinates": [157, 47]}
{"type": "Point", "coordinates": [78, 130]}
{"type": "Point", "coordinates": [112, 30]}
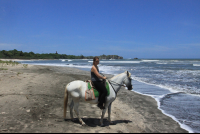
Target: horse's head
{"type": "Point", "coordinates": [127, 81]}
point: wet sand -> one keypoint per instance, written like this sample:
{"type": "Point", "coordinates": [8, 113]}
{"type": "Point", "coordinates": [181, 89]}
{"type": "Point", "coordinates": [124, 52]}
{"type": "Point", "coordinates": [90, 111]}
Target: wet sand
{"type": "Point", "coordinates": [31, 100]}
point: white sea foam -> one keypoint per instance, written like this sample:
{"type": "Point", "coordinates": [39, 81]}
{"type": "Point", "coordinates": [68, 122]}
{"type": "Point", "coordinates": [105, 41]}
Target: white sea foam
{"type": "Point", "coordinates": [118, 61]}
{"type": "Point", "coordinates": [173, 90]}
{"type": "Point", "coordinates": [77, 66]}
{"type": "Point", "coordinates": [189, 129]}
{"type": "Point", "coordinates": [150, 60]}
{"type": "Point", "coordinates": [196, 65]}
{"type": "Point", "coordinates": [161, 63]}
{"type": "Point", "coordinates": [157, 98]}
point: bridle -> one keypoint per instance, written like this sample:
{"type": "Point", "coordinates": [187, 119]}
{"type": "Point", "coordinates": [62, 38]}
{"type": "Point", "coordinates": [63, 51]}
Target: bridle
{"type": "Point", "coordinates": [115, 83]}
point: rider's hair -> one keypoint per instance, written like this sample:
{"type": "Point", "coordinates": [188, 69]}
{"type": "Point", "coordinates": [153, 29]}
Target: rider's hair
{"type": "Point", "coordinates": [94, 59]}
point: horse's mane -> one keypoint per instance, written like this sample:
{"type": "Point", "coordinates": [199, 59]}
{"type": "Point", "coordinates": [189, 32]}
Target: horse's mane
{"type": "Point", "coordinates": [116, 76]}
{"type": "Point", "coordinates": [120, 74]}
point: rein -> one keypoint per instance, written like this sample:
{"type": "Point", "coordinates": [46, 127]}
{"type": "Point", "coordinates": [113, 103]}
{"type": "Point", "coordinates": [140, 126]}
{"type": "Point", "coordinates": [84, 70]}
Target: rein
{"type": "Point", "coordinates": [115, 84]}
{"type": "Point", "coordinates": [113, 88]}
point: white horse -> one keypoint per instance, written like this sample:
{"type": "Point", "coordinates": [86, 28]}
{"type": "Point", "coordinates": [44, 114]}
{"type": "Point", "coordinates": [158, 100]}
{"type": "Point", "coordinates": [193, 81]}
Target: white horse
{"type": "Point", "coordinates": [77, 91]}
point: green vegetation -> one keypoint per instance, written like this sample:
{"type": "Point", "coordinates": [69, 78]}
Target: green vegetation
{"type": "Point", "coordinates": [15, 54]}
{"type": "Point", "coordinates": [19, 73]}
{"type": "Point", "coordinates": [8, 63]}
{"type": "Point", "coordinates": [25, 65]}
{"type": "Point", "coordinates": [3, 68]}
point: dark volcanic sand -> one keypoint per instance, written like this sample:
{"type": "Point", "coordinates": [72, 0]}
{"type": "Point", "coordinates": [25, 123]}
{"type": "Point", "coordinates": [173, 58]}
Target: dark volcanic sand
{"type": "Point", "coordinates": [31, 100]}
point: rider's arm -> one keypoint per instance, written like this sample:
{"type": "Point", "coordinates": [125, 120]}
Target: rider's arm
{"type": "Point", "coordinates": [97, 73]}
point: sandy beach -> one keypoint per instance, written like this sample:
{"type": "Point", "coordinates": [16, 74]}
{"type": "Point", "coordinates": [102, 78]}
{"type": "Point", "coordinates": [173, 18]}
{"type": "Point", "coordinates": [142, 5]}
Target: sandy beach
{"type": "Point", "coordinates": [31, 101]}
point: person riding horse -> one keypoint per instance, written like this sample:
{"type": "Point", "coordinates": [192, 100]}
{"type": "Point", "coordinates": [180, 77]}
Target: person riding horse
{"type": "Point", "coordinates": [95, 78]}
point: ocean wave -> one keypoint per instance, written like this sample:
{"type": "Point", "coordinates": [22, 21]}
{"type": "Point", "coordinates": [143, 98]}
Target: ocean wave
{"type": "Point", "coordinates": [150, 60]}
{"type": "Point", "coordinates": [162, 63]}
{"type": "Point", "coordinates": [174, 88]}
{"type": "Point", "coordinates": [77, 66]}
{"type": "Point", "coordinates": [118, 61]}
{"type": "Point", "coordinates": [167, 96]}
{"type": "Point", "coordinates": [196, 65]}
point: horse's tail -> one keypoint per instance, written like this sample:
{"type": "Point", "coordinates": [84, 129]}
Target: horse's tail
{"type": "Point", "coordinates": [65, 102]}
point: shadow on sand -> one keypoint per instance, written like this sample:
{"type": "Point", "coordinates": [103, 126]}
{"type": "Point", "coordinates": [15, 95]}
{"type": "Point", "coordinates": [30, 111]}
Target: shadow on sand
{"type": "Point", "coordinates": [94, 122]}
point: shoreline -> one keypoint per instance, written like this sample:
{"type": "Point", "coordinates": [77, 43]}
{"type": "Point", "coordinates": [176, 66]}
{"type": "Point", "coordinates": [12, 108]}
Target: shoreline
{"type": "Point", "coordinates": [183, 126]}
{"type": "Point", "coordinates": [25, 59]}
{"type": "Point", "coordinates": [38, 93]}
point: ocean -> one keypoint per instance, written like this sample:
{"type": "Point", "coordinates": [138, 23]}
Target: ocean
{"type": "Point", "coordinates": [173, 83]}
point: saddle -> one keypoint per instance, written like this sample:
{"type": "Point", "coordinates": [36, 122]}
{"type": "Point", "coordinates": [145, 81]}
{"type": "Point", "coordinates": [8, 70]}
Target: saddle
{"type": "Point", "coordinates": [91, 92]}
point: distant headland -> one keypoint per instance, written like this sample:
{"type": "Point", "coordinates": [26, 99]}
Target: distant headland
{"type": "Point", "coordinates": [15, 54]}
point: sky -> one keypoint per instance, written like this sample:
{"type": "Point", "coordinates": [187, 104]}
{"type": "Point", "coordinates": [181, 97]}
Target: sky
{"type": "Point", "coordinates": [128, 28]}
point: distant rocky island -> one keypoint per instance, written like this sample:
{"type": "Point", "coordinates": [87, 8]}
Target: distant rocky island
{"type": "Point", "coordinates": [110, 57]}
{"type": "Point", "coordinates": [15, 54]}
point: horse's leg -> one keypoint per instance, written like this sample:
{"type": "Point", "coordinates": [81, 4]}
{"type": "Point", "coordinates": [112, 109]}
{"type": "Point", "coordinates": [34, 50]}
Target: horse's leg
{"type": "Point", "coordinates": [65, 103]}
{"type": "Point", "coordinates": [71, 110]}
{"type": "Point", "coordinates": [76, 105]}
{"type": "Point", "coordinates": [109, 113]}
{"type": "Point", "coordinates": [103, 113]}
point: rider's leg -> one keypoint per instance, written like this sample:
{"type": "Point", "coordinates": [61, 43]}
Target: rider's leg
{"type": "Point", "coordinates": [103, 95]}
{"type": "Point", "coordinates": [96, 84]}
{"type": "Point", "coordinates": [102, 92]}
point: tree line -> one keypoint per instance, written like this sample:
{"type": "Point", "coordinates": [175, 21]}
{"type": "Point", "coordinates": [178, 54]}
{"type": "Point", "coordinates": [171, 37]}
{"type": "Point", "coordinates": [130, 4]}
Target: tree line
{"type": "Point", "coordinates": [15, 54]}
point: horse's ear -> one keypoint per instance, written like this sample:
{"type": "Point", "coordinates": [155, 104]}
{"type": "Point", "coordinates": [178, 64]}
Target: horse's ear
{"type": "Point", "coordinates": [128, 74]}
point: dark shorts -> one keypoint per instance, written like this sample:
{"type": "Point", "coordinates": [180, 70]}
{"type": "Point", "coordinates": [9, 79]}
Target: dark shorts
{"type": "Point", "coordinates": [100, 87]}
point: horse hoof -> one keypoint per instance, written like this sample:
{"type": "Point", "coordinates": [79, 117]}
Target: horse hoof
{"type": "Point", "coordinates": [111, 123]}
{"type": "Point", "coordinates": [84, 125]}
{"type": "Point", "coordinates": [103, 125]}
{"type": "Point", "coordinates": [72, 120]}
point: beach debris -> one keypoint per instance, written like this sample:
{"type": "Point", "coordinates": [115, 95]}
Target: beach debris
{"type": "Point", "coordinates": [59, 120]}
{"type": "Point", "coordinates": [11, 128]}
{"type": "Point", "coordinates": [107, 127]}
{"type": "Point", "coordinates": [93, 106]}
{"type": "Point", "coordinates": [119, 131]}
{"type": "Point", "coordinates": [3, 112]}
{"type": "Point", "coordinates": [28, 110]}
